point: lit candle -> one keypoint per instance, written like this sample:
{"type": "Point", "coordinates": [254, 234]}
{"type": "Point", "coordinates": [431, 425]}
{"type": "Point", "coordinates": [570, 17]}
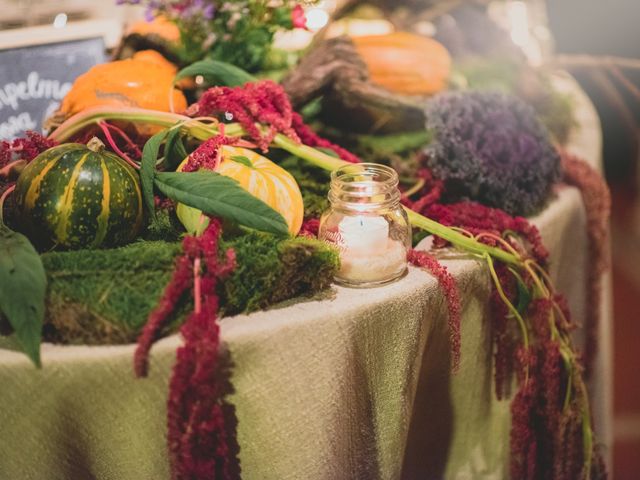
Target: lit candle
{"type": "Point", "coordinates": [363, 235]}
{"type": "Point", "coordinates": [367, 224]}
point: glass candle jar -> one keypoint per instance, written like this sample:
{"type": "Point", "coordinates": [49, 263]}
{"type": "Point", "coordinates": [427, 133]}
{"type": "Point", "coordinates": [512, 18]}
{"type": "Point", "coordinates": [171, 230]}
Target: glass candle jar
{"type": "Point", "coordinates": [367, 224]}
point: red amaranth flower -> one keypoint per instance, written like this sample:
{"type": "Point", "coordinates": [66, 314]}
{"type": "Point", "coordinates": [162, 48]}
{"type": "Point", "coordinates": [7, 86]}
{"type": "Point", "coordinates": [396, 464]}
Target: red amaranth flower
{"type": "Point", "coordinates": [209, 154]}
{"type": "Point", "coordinates": [310, 228]}
{"type": "Point", "coordinates": [568, 464]}
{"type": "Point", "coordinates": [597, 203]}
{"type": "Point", "coordinates": [429, 194]}
{"type": "Point", "coordinates": [477, 218]}
{"type": "Point", "coordinates": [199, 443]}
{"type": "Point", "coordinates": [26, 148]}
{"type": "Point", "coordinates": [503, 328]}
{"type": "Point", "coordinates": [179, 283]}
{"type": "Point", "coordinates": [263, 102]}
{"type": "Point", "coordinates": [450, 289]}
{"type": "Point", "coordinates": [200, 440]}
{"type": "Point", "coordinates": [550, 408]}
{"type": "Point", "coordinates": [310, 138]}
{"type": "Point", "coordinates": [523, 438]}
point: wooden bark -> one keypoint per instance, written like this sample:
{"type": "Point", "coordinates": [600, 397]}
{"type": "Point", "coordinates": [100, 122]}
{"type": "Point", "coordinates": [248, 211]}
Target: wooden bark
{"type": "Point", "coordinates": [334, 70]}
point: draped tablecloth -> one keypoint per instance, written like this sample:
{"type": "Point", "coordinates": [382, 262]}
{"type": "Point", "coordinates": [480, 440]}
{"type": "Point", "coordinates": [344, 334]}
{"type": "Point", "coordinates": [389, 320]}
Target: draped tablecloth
{"type": "Point", "coordinates": [352, 384]}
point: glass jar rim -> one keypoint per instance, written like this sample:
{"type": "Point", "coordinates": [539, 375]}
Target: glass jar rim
{"type": "Point", "coordinates": [364, 186]}
{"type": "Point", "coordinates": [352, 170]}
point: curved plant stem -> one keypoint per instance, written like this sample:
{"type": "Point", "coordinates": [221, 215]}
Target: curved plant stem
{"type": "Point", "coordinates": [197, 286]}
{"type": "Point", "coordinates": [507, 302]}
{"type": "Point", "coordinates": [544, 275]}
{"type": "Point", "coordinates": [105, 129]}
{"type": "Point", "coordinates": [499, 240]}
{"type": "Point", "coordinates": [587, 435]}
{"type": "Point", "coordinates": [3, 197]}
{"type": "Point", "coordinates": [415, 188]}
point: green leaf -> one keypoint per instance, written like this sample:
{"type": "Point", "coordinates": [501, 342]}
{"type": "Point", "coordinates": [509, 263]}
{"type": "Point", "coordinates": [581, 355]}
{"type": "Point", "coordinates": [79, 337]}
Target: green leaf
{"type": "Point", "coordinates": [217, 72]}
{"type": "Point", "coordinates": [243, 160]}
{"type": "Point", "coordinates": [524, 295]}
{"type": "Point", "coordinates": [148, 168]}
{"type": "Point", "coordinates": [221, 196]}
{"type": "Point", "coordinates": [174, 150]}
{"type": "Point", "coordinates": [23, 284]}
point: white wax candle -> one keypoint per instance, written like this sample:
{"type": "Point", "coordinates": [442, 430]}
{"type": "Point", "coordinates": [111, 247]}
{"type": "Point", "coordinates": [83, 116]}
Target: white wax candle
{"type": "Point", "coordinates": [363, 235]}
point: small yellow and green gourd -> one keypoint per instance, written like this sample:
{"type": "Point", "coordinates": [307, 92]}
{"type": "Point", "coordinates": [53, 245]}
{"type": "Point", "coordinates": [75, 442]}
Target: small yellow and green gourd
{"type": "Point", "coordinates": [260, 177]}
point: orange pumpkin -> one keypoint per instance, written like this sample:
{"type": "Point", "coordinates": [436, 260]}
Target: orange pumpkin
{"type": "Point", "coordinates": [263, 179]}
{"type": "Point", "coordinates": [405, 63]}
{"type": "Point", "coordinates": [144, 81]}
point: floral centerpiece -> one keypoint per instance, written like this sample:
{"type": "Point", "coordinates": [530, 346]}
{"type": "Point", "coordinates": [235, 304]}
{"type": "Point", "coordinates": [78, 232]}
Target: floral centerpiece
{"type": "Point", "coordinates": [235, 31]}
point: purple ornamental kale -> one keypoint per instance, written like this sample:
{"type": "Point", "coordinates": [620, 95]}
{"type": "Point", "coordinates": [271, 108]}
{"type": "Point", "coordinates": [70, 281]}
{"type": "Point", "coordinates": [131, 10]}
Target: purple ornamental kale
{"type": "Point", "coordinates": [490, 147]}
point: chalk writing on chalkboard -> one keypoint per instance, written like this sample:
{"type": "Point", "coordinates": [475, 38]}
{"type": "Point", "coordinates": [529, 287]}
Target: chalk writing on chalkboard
{"type": "Point", "coordinates": [33, 81]}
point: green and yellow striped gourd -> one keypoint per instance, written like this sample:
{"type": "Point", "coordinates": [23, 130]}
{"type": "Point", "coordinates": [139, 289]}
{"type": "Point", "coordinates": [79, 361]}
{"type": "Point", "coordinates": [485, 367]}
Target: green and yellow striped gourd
{"type": "Point", "coordinates": [77, 196]}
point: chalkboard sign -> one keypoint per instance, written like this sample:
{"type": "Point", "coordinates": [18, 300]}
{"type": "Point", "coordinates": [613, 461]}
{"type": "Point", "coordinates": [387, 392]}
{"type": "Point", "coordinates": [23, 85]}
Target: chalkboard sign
{"type": "Point", "coordinates": [33, 81]}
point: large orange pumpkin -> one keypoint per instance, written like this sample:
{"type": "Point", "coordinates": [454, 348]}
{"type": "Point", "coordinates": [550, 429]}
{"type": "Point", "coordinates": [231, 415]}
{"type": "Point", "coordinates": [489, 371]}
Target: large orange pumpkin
{"type": "Point", "coordinates": [262, 178]}
{"type": "Point", "coordinates": [405, 63]}
{"type": "Point", "coordinates": [144, 81]}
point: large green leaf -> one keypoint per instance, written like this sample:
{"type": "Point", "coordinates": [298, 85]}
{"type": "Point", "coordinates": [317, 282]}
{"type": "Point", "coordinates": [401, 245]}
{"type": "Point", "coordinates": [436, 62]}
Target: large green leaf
{"type": "Point", "coordinates": [23, 285]}
{"type": "Point", "coordinates": [221, 196]}
{"type": "Point", "coordinates": [148, 168]}
{"type": "Point", "coordinates": [220, 73]}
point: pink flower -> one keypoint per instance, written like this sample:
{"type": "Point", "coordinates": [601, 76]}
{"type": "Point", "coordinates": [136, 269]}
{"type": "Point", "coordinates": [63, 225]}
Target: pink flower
{"type": "Point", "coordinates": [297, 17]}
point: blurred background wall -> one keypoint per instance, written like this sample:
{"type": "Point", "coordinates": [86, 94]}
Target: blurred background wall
{"type": "Point", "coordinates": [611, 27]}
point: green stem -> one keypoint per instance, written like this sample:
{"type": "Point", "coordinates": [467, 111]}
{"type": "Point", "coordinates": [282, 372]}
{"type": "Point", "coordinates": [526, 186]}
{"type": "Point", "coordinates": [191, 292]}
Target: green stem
{"type": "Point", "coordinates": [587, 434]}
{"type": "Point", "coordinates": [415, 188]}
{"type": "Point", "coordinates": [3, 197]}
{"type": "Point", "coordinates": [568, 365]}
{"type": "Point", "coordinates": [460, 240]}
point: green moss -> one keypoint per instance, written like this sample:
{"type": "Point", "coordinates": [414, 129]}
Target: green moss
{"type": "Point", "coordinates": [271, 270]}
{"type": "Point", "coordinates": [313, 183]}
{"type": "Point", "coordinates": [165, 226]}
{"type": "Point", "coordinates": [397, 143]}
{"type": "Point", "coordinates": [105, 296]}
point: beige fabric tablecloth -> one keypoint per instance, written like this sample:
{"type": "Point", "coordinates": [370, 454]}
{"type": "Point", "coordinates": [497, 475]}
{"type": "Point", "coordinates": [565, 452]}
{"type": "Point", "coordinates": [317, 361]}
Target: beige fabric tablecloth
{"type": "Point", "coordinates": [353, 385]}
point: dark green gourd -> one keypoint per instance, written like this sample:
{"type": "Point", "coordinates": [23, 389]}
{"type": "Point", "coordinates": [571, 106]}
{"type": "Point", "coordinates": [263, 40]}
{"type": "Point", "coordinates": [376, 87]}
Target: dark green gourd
{"type": "Point", "coordinates": [78, 196]}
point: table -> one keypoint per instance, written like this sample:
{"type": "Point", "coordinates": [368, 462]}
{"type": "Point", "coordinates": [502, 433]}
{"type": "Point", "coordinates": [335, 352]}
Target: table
{"type": "Point", "coordinates": [353, 384]}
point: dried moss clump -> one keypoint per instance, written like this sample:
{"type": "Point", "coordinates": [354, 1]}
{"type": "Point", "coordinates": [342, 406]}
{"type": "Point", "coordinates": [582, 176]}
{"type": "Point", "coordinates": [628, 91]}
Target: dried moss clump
{"type": "Point", "coordinates": [271, 271]}
{"type": "Point", "coordinates": [105, 296]}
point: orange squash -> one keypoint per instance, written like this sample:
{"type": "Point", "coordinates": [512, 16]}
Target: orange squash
{"type": "Point", "coordinates": [263, 179]}
{"type": "Point", "coordinates": [405, 63]}
{"type": "Point", "coordinates": [144, 81]}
